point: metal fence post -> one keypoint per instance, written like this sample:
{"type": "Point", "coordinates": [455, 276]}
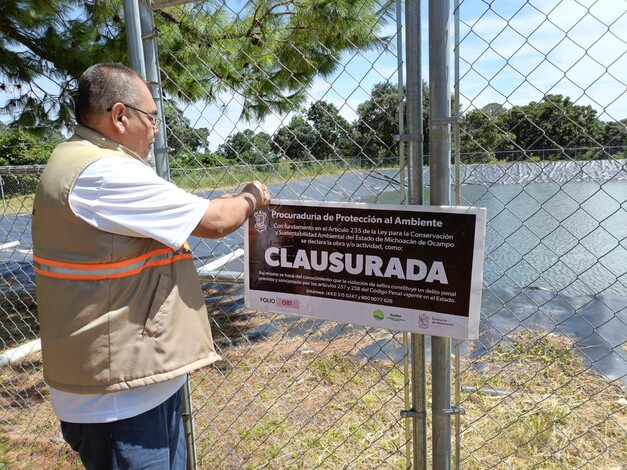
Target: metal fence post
{"type": "Point", "coordinates": [135, 44]}
{"type": "Point", "coordinates": [456, 139]}
{"type": "Point", "coordinates": [151, 63]}
{"type": "Point", "coordinates": [439, 172]}
{"type": "Point", "coordinates": [133, 36]}
{"type": "Point", "coordinates": [188, 426]}
{"type": "Point", "coordinates": [415, 196]}
{"type": "Point", "coordinates": [4, 202]}
{"type": "Point", "coordinates": [403, 200]}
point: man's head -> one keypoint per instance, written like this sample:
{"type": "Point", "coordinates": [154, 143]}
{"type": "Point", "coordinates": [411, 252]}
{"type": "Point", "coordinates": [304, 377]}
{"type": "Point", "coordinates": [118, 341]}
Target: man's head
{"type": "Point", "coordinates": [116, 102]}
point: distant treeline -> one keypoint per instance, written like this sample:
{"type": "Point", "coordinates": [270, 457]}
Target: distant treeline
{"type": "Point", "coordinates": [554, 128]}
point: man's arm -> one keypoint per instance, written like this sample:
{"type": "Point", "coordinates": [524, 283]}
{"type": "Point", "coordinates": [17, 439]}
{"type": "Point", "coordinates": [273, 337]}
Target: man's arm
{"type": "Point", "coordinates": [227, 213]}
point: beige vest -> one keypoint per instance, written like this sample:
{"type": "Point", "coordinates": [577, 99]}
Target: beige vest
{"type": "Point", "coordinates": [115, 312]}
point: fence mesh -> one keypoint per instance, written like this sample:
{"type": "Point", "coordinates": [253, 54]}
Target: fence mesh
{"type": "Point", "coordinates": [300, 97]}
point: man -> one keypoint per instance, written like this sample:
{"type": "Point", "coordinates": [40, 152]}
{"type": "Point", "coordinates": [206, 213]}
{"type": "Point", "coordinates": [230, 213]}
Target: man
{"type": "Point", "coordinates": [122, 316]}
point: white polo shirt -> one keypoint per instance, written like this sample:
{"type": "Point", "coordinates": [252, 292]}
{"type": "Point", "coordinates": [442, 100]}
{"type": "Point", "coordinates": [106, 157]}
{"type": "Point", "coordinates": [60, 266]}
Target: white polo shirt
{"type": "Point", "coordinates": [126, 197]}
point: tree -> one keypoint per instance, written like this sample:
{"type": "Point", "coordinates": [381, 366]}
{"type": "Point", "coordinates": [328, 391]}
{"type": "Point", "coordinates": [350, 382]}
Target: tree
{"type": "Point", "coordinates": [332, 130]}
{"type": "Point", "coordinates": [248, 147]}
{"type": "Point", "coordinates": [18, 147]}
{"type": "Point", "coordinates": [269, 53]}
{"type": "Point", "coordinates": [181, 136]}
{"type": "Point", "coordinates": [377, 123]}
{"type": "Point", "coordinates": [615, 134]}
{"type": "Point", "coordinates": [481, 135]}
{"type": "Point", "coordinates": [45, 46]}
{"type": "Point", "coordinates": [555, 123]}
{"type": "Point", "coordinates": [321, 134]}
{"type": "Point", "coordinates": [295, 140]}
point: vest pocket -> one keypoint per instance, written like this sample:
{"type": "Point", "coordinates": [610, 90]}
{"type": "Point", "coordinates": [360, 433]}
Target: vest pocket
{"type": "Point", "coordinates": [155, 314]}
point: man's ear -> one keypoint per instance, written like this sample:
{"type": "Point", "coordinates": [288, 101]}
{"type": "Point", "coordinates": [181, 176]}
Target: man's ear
{"type": "Point", "coordinates": [117, 118]}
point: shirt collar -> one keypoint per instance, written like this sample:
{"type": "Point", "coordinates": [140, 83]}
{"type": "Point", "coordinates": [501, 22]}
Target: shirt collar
{"type": "Point", "coordinates": [104, 142]}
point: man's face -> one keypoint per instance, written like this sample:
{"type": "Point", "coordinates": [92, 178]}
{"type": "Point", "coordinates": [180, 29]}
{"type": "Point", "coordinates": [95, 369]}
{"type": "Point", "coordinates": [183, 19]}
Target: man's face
{"type": "Point", "coordinates": [142, 123]}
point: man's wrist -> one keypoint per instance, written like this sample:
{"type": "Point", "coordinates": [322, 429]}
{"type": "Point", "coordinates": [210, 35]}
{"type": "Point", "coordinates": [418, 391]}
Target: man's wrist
{"type": "Point", "coordinates": [252, 203]}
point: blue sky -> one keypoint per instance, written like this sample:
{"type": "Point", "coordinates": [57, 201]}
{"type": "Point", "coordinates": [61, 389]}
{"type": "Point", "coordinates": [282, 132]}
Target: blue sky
{"type": "Point", "coordinates": [517, 51]}
{"type": "Point", "coordinates": [512, 52]}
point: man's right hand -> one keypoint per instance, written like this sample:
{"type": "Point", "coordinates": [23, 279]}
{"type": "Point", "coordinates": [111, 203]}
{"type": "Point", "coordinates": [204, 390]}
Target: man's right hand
{"type": "Point", "coordinates": [228, 212]}
{"type": "Point", "coordinates": [260, 192]}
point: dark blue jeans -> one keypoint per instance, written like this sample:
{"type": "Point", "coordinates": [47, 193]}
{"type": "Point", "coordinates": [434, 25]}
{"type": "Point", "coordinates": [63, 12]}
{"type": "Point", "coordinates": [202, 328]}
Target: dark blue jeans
{"type": "Point", "coordinates": [152, 440]}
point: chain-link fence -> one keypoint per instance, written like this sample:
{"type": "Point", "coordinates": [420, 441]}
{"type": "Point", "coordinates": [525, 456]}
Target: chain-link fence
{"type": "Point", "coordinates": [305, 96]}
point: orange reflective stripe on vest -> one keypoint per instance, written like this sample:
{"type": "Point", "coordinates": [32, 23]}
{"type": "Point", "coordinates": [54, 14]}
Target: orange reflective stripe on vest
{"type": "Point", "coordinates": [100, 271]}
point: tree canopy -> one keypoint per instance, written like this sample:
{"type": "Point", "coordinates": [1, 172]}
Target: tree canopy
{"type": "Point", "coordinates": [552, 128]}
{"type": "Point", "coordinates": [268, 53]}
{"type": "Point", "coordinates": [44, 46]}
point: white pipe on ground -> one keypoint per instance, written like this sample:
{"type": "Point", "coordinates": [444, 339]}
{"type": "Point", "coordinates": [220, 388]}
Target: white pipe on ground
{"type": "Point", "coordinates": [17, 355]}
{"type": "Point", "coordinates": [211, 270]}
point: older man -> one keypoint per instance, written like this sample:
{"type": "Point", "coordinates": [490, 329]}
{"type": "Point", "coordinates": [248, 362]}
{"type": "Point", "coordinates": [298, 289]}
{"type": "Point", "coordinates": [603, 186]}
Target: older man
{"type": "Point", "coordinates": [122, 317]}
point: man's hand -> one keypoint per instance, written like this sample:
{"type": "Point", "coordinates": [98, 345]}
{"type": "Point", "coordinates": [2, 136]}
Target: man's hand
{"type": "Point", "coordinates": [228, 212]}
{"type": "Point", "coordinates": [260, 193]}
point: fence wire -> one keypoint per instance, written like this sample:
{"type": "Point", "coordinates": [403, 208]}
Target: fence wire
{"type": "Point", "coordinates": [300, 97]}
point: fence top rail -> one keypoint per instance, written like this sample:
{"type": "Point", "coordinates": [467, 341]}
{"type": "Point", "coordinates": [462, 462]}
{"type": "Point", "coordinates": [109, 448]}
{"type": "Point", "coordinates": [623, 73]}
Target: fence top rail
{"type": "Point", "coordinates": [21, 169]}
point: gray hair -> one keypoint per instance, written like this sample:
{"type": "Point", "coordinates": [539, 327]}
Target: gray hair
{"type": "Point", "coordinates": [103, 85]}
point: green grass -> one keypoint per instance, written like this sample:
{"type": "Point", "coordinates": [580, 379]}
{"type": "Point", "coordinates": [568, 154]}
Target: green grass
{"type": "Point", "coordinates": [17, 205]}
{"type": "Point", "coordinates": [235, 176]}
{"type": "Point", "coordinates": [208, 179]}
{"type": "Point", "coordinates": [301, 404]}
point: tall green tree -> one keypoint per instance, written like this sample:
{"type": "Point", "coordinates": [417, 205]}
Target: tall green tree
{"type": "Point", "coordinates": [377, 124]}
{"type": "Point", "coordinates": [615, 134]}
{"type": "Point", "coordinates": [482, 136]}
{"type": "Point", "coordinates": [268, 53]}
{"type": "Point", "coordinates": [272, 50]}
{"type": "Point", "coordinates": [44, 46]}
{"type": "Point", "coordinates": [248, 147]}
{"type": "Point", "coordinates": [18, 147]}
{"type": "Point", "coordinates": [332, 131]}
{"type": "Point", "coordinates": [181, 136]}
{"type": "Point", "coordinates": [295, 140]}
{"type": "Point", "coordinates": [554, 123]}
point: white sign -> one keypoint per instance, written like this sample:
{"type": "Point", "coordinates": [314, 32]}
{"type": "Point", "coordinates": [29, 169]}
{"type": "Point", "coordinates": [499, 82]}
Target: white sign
{"type": "Point", "coordinates": [400, 267]}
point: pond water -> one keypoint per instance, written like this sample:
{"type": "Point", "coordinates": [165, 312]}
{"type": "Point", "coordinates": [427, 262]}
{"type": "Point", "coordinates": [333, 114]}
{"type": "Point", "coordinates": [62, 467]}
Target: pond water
{"type": "Point", "coordinates": [556, 252]}
{"type": "Point", "coordinates": [570, 238]}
